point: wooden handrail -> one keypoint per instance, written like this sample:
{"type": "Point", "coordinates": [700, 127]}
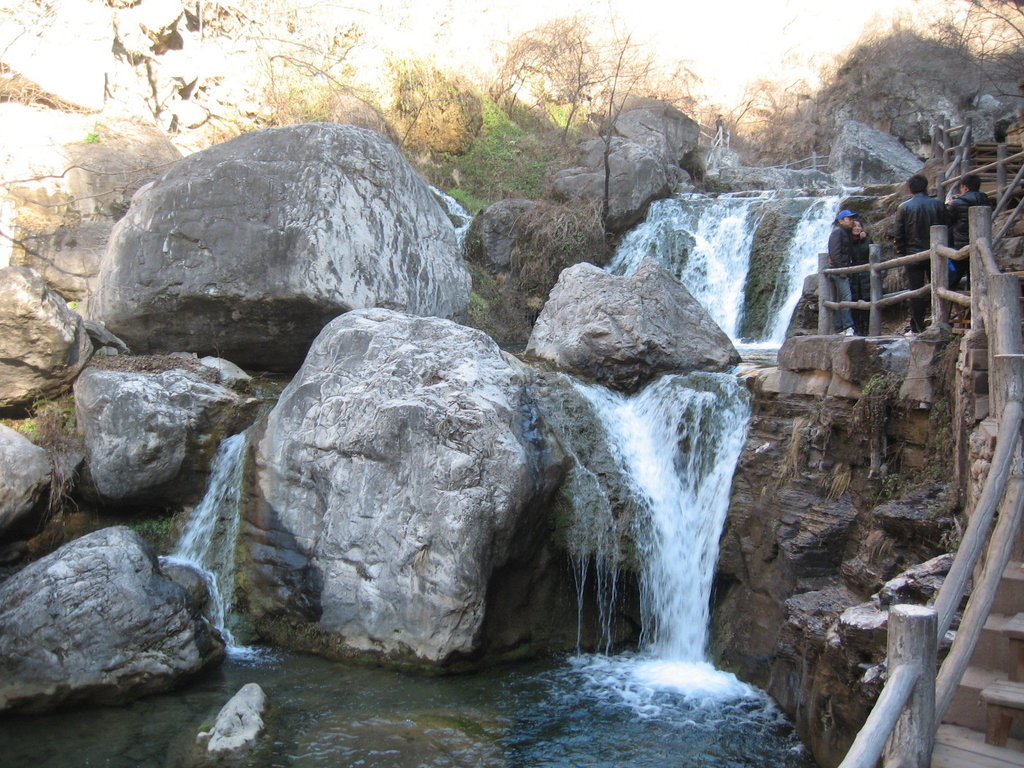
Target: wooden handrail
{"type": "Point", "coordinates": [897, 717]}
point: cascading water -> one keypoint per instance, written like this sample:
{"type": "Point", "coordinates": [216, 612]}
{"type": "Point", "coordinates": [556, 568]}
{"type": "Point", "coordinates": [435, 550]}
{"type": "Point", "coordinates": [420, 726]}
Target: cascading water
{"type": "Point", "coordinates": [208, 541]}
{"type": "Point", "coordinates": [460, 217]}
{"type": "Point", "coordinates": [676, 444]}
{"type": "Point", "coordinates": [708, 242]}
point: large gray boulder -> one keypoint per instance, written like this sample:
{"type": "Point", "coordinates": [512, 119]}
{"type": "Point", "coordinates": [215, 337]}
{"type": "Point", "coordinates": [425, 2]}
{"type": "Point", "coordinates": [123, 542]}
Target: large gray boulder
{"type": "Point", "coordinates": [401, 468]}
{"type": "Point", "coordinates": [97, 621]}
{"type": "Point", "coordinates": [624, 331]}
{"type": "Point", "coordinates": [863, 156]}
{"type": "Point", "coordinates": [24, 475]}
{"type": "Point", "coordinates": [150, 436]}
{"type": "Point", "coordinates": [636, 177]}
{"type": "Point", "coordinates": [247, 249]}
{"type": "Point", "coordinates": [660, 127]}
{"type": "Point", "coordinates": [72, 177]}
{"type": "Point", "coordinates": [43, 343]}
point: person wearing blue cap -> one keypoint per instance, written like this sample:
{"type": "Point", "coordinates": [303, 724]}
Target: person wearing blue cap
{"type": "Point", "coordinates": [840, 254]}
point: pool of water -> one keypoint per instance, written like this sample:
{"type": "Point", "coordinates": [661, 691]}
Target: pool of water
{"type": "Point", "coordinates": [584, 711]}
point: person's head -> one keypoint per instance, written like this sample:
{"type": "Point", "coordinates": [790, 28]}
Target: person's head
{"type": "Point", "coordinates": [845, 218]}
{"type": "Point", "coordinates": [970, 183]}
{"type": "Point", "coordinates": [857, 228]}
{"type": "Point", "coordinates": [917, 184]}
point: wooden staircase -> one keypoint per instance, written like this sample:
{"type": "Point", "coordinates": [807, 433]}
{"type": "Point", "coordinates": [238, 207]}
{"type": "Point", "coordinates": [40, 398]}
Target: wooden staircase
{"type": "Point", "coordinates": [960, 741]}
{"type": "Point", "coordinates": [987, 153]}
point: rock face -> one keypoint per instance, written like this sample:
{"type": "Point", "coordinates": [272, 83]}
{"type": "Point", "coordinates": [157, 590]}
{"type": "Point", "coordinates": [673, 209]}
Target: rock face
{"type": "Point", "coordinates": [24, 475]}
{"type": "Point", "coordinates": [75, 176]}
{"type": "Point", "coordinates": [493, 232]}
{"type": "Point", "coordinates": [401, 469]}
{"type": "Point", "coordinates": [623, 331]}
{"type": "Point", "coordinates": [661, 128]}
{"type": "Point", "coordinates": [807, 545]}
{"type": "Point", "coordinates": [247, 249]}
{"type": "Point", "coordinates": [863, 156]}
{"type": "Point", "coordinates": [636, 177]}
{"type": "Point", "coordinates": [148, 436]}
{"type": "Point", "coordinates": [97, 621]}
{"type": "Point", "coordinates": [43, 343]}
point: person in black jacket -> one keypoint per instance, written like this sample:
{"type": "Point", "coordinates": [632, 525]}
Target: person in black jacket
{"type": "Point", "coordinates": [914, 220]}
{"type": "Point", "coordinates": [840, 254]}
{"type": "Point", "coordinates": [969, 195]}
{"type": "Point", "coordinates": [860, 282]}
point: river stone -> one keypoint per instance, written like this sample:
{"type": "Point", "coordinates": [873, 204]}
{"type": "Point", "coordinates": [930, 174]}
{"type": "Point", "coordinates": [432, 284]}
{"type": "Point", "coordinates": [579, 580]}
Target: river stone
{"type": "Point", "coordinates": [24, 475]}
{"type": "Point", "coordinates": [239, 722]}
{"type": "Point", "coordinates": [247, 249]}
{"type": "Point", "coordinates": [402, 466]}
{"type": "Point", "coordinates": [150, 436]}
{"type": "Point", "coordinates": [862, 156]}
{"type": "Point", "coordinates": [97, 621]}
{"type": "Point", "coordinates": [624, 331]}
{"type": "Point", "coordinates": [43, 343]}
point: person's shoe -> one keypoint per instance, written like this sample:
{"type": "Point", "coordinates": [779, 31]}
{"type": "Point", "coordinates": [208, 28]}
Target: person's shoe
{"type": "Point", "coordinates": [848, 332]}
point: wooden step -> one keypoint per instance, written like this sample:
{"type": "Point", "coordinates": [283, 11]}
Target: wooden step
{"type": "Point", "coordinates": [993, 649]}
{"type": "Point", "coordinates": [1010, 597]}
{"type": "Point", "coordinates": [957, 747]}
{"type": "Point", "coordinates": [1004, 703]}
{"type": "Point", "coordinates": [967, 709]}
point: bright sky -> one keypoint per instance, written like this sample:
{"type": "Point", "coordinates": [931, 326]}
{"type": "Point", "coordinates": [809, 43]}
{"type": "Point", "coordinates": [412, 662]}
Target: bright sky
{"type": "Point", "coordinates": [728, 42]}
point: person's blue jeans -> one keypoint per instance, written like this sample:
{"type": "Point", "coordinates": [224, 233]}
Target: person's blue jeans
{"type": "Point", "coordinates": [844, 319]}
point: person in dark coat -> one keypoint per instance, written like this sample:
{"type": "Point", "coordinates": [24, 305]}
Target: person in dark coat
{"type": "Point", "coordinates": [840, 255]}
{"type": "Point", "coordinates": [860, 282]}
{"type": "Point", "coordinates": [914, 219]}
{"type": "Point", "coordinates": [968, 195]}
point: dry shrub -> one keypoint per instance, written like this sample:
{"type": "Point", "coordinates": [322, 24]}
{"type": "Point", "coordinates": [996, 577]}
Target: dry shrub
{"type": "Point", "coordinates": [55, 433]}
{"type": "Point", "coordinates": [432, 110]}
{"type": "Point", "coordinates": [553, 236]}
{"type": "Point", "coordinates": [795, 448]}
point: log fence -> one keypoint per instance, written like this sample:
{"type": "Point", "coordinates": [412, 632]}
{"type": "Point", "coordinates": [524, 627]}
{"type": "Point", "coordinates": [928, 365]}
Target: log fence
{"type": "Point", "coordinates": [900, 730]}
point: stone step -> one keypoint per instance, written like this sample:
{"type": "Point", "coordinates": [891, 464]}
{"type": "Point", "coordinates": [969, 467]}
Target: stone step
{"type": "Point", "coordinates": [967, 709]}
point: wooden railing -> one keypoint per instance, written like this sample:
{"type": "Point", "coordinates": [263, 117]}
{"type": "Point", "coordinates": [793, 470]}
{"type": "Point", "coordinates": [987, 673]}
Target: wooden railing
{"type": "Point", "coordinates": [901, 727]}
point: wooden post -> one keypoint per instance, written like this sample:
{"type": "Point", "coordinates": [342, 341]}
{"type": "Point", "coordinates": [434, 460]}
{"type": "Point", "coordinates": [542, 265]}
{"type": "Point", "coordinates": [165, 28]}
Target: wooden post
{"type": "Point", "coordinates": [979, 221]}
{"type": "Point", "coordinates": [1006, 364]}
{"type": "Point", "coordinates": [912, 641]}
{"type": "Point", "coordinates": [940, 276]}
{"type": "Point", "coordinates": [826, 321]}
{"type": "Point", "coordinates": [1001, 153]}
{"type": "Point", "coordinates": [875, 318]}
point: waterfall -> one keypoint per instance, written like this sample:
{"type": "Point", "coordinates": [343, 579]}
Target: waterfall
{"type": "Point", "coordinates": [707, 242]}
{"type": "Point", "coordinates": [460, 217]}
{"type": "Point", "coordinates": [676, 444]}
{"type": "Point", "coordinates": [208, 541]}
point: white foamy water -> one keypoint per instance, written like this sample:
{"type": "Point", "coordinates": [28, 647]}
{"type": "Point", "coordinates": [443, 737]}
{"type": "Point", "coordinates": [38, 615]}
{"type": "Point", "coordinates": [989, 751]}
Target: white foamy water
{"type": "Point", "coordinates": [678, 442]}
{"type": "Point", "coordinates": [707, 243]}
{"type": "Point", "coordinates": [208, 541]}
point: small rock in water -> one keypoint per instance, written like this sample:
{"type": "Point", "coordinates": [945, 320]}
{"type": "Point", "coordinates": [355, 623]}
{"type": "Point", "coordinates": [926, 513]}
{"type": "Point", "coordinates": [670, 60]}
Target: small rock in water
{"type": "Point", "coordinates": [239, 723]}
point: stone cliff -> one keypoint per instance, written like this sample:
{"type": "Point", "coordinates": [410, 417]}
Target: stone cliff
{"type": "Point", "coordinates": [846, 481]}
